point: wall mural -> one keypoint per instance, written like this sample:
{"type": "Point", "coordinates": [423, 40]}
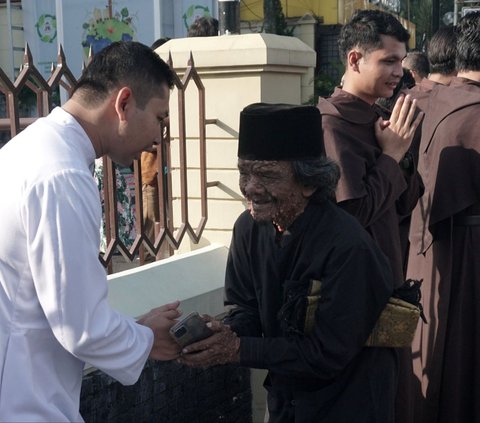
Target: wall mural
{"type": "Point", "coordinates": [79, 24]}
{"type": "Point", "coordinates": [193, 12]}
{"type": "Point", "coordinates": [101, 29]}
{"type": "Point", "coordinates": [47, 28]}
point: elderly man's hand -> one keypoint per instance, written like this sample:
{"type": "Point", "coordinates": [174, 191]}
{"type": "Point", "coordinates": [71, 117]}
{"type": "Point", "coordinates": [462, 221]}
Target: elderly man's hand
{"type": "Point", "coordinates": [220, 348]}
{"type": "Point", "coordinates": [160, 320]}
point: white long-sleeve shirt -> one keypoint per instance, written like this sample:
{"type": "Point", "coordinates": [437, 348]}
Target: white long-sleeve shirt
{"type": "Point", "coordinates": [54, 312]}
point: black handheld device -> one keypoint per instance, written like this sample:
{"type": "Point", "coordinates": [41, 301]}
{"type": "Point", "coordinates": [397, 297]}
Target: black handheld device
{"type": "Point", "coordinates": [189, 329]}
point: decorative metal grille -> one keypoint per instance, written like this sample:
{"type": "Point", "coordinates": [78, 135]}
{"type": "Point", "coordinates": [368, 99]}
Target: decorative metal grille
{"type": "Point", "coordinates": [168, 237]}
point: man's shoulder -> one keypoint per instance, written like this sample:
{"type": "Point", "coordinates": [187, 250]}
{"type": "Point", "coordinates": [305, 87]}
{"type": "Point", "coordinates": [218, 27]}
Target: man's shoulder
{"type": "Point", "coordinates": [345, 107]}
{"type": "Point", "coordinates": [332, 118]}
{"type": "Point", "coordinates": [343, 228]}
{"type": "Point", "coordinates": [244, 222]}
{"type": "Point", "coordinates": [424, 87]}
{"type": "Point", "coordinates": [459, 94]}
{"type": "Point", "coordinates": [43, 147]}
{"type": "Point", "coordinates": [327, 107]}
{"type": "Point", "coordinates": [456, 102]}
{"type": "Point", "coordinates": [421, 94]}
{"type": "Point", "coordinates": [460, 119]}
{"type": "Point", "coordinates": [346, 221]}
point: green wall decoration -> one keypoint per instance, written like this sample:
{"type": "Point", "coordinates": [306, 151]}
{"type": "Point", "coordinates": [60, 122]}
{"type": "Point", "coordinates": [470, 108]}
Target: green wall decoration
{"type": "Point", "coordinates": [47, 28]}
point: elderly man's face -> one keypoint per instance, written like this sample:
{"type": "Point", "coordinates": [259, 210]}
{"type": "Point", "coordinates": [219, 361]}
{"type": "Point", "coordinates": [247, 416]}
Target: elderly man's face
{"type": "Point", "coordinates": [271, 191]}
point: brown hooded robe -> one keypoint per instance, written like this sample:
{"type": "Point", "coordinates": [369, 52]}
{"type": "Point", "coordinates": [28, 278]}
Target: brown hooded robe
{"type": "Point", "coordinates": [444, 239]}
{"type": "Point", "coordinates": [375, 190]}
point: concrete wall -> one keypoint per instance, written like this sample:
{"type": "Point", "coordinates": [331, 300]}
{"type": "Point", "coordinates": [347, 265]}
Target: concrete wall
{"type": "Point", "coordinates": [6, 55]}
{"type": "Point", "coordinates": [167, 391]}
{"type": "Point", "coordinates": [195, 278]}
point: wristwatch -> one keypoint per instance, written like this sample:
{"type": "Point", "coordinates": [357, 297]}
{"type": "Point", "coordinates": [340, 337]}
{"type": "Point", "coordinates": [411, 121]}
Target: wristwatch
{"type": "Point", "coordinates": [407, 162]}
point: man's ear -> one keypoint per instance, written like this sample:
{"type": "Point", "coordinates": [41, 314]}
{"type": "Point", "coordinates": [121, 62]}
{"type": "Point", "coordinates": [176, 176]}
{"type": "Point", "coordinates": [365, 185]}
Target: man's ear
{"type": "Point", "coordinates": [414, 75]}
{"type": "Point", "coordinates": [307, 192]}
{"type": "Point", "coordinates": [123, 102]}
{"type": "Point", "coordinates": [353, 57]}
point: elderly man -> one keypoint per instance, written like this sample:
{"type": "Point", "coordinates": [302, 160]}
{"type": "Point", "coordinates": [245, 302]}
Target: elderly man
{"type": "Point", "coordinates": [305, 283]}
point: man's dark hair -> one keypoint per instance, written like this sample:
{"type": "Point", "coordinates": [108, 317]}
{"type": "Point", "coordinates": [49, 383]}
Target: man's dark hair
{"type": "Point", "coordinates": [468, 43]}
{"type": "Point", "coordinates": [441, 51]}
{"type": "Point", "coordinates": [321, 173]}
{"type": "Point", "coordinates": [159, 42]}
{"type": "Point", "coordinates": [205, 26]}
{"type": "Point", "coordinates": [417, 61]}
{"type": "Point", "coordinates": [120, 64]}
{"type": "Point", "coordinates": [364, 30]}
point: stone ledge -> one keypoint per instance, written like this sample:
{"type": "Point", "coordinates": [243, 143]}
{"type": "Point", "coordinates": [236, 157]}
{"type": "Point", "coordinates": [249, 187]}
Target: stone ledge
{"type": "Point", "coordinates": [237, 51]}
{"type": "Point", "coordinates": [195, 278]}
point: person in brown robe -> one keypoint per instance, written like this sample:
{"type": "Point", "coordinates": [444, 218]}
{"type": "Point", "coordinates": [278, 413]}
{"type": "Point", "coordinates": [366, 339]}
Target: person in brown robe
{"type": "Point", "coordinates": [441, 58]}
{"type": "Point", "coordinates": [379, 182]}
{"type": "Point", "coordinates": [417, 64]}
{"type": "Point", "coordinates": [444, 237]}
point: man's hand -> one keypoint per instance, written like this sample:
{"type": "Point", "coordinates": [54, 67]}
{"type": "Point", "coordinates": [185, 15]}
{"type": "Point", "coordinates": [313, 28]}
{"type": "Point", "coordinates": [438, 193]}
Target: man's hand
{"type": "Point", "coordinates": [160, 320]}
{"type": "Point", "coordinates": [395, 135]}
{"type": "Point", "coordinates": [220, 348]}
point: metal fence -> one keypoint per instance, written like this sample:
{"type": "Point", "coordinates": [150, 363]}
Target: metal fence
{"type": "Point", "coordinates": [169, 235]}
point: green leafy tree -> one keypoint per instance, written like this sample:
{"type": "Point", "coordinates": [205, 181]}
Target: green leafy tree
{"type": "Point", "coordinates": [274, 18]}
{"type": "Point", "coordinates": [421, 15]}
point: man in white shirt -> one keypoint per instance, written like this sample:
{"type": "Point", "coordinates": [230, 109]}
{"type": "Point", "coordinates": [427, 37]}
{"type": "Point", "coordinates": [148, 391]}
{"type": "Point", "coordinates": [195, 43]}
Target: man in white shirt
{"type": "Point", "coordinates": [54, 313]}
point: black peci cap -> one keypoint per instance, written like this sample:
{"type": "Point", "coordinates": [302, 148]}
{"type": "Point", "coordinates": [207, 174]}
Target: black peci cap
{"type": "Point", "coordinates": [280, 132]}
